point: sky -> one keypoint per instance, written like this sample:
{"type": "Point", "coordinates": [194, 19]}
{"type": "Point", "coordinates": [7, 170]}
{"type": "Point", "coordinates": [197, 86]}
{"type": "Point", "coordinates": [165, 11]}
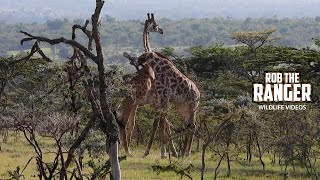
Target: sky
{"type": "Point", "coordinates": [173, 9]}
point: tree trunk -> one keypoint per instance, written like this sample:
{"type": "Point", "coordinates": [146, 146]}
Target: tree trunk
{"type": "Point", "coordinates": [114, 160]}
{"type": "Point", "coordinates": [109, 123]}
{"type": "Point", "coordinates": [260, 155]}
{"type": "Point", "coordinates": [249, 154]}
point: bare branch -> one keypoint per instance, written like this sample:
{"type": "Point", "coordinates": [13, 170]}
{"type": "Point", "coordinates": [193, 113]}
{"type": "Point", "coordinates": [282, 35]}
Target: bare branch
{"type": "Point", "coordinates": [95, 31]}
{"type": "Point", "coordinates": [58, 41]}
{"type": "Point", "coordinates": [35, 49]}
{"type": "Point", "coordinates": [85, 31]}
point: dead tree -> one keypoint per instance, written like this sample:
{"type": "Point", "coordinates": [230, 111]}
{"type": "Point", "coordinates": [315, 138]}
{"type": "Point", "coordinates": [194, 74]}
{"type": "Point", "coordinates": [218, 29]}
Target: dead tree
{"type": "Point", "coordinates": [96, 94]}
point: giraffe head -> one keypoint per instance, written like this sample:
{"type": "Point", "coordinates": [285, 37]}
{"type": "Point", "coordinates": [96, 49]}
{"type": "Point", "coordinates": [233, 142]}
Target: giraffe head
{"type": "Point", "coordinates": [151, 25]}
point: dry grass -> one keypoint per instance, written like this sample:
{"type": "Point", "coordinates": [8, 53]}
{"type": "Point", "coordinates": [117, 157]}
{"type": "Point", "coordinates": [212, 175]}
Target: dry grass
{"type": "Point", "coordinates": [17, 152]}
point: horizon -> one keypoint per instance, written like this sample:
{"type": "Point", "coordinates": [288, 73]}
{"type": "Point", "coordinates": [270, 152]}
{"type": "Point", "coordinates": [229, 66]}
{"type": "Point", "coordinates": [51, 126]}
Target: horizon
{"type": "Point", "coordinates": [34, 11]}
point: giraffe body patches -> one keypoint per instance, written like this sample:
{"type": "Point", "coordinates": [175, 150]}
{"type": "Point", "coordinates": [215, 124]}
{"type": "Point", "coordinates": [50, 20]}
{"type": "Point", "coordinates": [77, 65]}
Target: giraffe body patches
{"type": "Point", "coordinates": [282, 87]}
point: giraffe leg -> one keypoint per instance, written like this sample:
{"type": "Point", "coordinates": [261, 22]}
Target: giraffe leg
{"type": "Point", "coordinates": [123, 133]}
{"type": "Point", "coordinates": [172, 148]}
{"type": "Point", "coordinates": [153, 133]}
{"type": "Point", "coordinates": [166, 139]}
{"type": "Point", "coordinates": [191, 128]}
{"type": "Point", "coordinates": [131, 123]}
{"type": "Point", "coordinates": [185, 143]}
{"type": "Point", "coordinates": [160, 106]}
{"type": "Point", "coordinates": [126, 109]}
{"type": "Point", "coordinates": [187, 112]}
{"type": "Point", "coordinates": [163, 137]}
{"type": "Point", "coordinates": [190, 137]}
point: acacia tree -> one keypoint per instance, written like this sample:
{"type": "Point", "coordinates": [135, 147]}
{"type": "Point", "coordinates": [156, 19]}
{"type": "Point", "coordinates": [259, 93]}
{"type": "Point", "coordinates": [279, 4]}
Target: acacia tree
{"type": "Point", "coordinates": [96, 93]}
{"type": "Point", "coordinates": [254, 40]}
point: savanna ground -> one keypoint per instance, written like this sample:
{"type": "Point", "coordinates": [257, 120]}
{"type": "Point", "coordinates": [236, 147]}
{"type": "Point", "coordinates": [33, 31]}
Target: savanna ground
{"type": "Point", "coordinates": [17, 152]}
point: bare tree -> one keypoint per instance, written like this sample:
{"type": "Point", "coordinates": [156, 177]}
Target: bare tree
{"type": "Point", "coordinates": [97, 94]}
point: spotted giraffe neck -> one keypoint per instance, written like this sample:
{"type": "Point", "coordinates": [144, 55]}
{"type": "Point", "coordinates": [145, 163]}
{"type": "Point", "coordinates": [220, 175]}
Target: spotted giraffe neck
{"type": "Point", "coordinates": [146, 43]}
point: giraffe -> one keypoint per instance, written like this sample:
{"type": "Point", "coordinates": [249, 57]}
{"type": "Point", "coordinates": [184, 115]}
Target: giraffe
{"type": "Point", "coordinates": [150, 25]}
{"type": "Point", "coordinates": [142, 92]}
{"type": "Point", "coordinates": [170, 85]}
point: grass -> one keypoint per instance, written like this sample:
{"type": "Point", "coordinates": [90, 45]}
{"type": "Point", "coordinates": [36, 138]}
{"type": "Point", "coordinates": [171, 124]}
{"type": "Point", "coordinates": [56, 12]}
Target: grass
{"type": "Point", "coordinates": [17, 152]}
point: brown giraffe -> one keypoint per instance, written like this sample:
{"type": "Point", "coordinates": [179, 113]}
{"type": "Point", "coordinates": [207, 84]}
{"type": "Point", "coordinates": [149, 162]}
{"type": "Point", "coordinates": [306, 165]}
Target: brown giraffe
{"type": "Point", "coordinates": [142, 92]}
{"type": "Point", "coordinates": [170, 85]}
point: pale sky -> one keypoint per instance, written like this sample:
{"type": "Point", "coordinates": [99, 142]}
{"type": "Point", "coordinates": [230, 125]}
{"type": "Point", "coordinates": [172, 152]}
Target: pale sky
{"type": "Point", "coordinates": [174, 9]}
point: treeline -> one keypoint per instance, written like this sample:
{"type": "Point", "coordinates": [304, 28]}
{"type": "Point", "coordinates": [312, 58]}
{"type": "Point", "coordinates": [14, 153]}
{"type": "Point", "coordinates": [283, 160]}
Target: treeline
{"type": "Point", "coordinates": [231, 129]}
{"type": "Point", "coordinates": [289, 139]}
{"type": "Point", "coordinates": [119, 35]}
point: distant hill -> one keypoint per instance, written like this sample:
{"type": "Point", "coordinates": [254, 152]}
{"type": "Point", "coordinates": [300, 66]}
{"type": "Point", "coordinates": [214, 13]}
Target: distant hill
{"type": "Point", "coordinates": [42, 10]}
